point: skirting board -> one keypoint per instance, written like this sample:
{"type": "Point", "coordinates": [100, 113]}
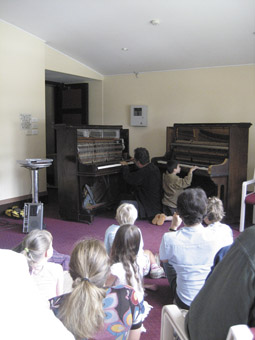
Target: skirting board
{"type": "Point", "coordinates": [4, 204]}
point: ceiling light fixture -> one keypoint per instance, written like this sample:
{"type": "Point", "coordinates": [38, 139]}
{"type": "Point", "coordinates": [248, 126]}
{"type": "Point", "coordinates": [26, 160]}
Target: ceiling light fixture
{"type": "Point", "coordinates": [124, 49]}
{"type": "Point", "coordinates": [155, 22]}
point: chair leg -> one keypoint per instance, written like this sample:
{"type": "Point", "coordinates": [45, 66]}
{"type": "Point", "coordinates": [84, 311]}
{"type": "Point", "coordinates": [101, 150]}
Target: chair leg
{"type": "Point", "coordinates": [242, 212]}
{"type": "Point", "coordinates": [242, 217]}
{"type": "Point", "coordinates": [253, 215]}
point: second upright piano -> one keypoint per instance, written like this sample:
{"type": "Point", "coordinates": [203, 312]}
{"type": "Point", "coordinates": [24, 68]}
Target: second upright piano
{"type": "Point", "coordinates": [89, 169]}
{"type": "Point", "coordinates": [221, 153]}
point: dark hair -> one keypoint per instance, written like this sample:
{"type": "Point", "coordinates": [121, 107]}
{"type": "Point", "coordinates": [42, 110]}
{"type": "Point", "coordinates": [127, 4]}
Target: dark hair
{"type": "Point", "coordinates": [171, 165]}
{"type": "Point", "coordinates": [142, 155]}
{"type": "Point", "coordinates": [192, 206]}
{"type": "Point", "coordinates": [125, 249]}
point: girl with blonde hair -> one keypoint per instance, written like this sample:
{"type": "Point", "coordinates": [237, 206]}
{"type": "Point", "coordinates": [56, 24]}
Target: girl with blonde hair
{"type": "Point", "coordinates": [49, 277]}
{"type": "Point", "coordinates": [91, 310]}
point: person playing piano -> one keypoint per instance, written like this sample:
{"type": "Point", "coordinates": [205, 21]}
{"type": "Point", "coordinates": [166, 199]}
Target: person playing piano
{"type": "Point", "coordinates": [146, 185]}
{"type": "Point", "coordinates": [173, 186]}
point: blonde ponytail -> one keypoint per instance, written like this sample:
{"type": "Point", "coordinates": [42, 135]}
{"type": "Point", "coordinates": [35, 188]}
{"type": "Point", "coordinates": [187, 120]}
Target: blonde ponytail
{"type": "Point", "coordinates": [82, 311]}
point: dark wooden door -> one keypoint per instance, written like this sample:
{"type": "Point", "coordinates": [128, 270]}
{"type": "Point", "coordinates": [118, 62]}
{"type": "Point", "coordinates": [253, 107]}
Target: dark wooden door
{"type": "Point", "coordinates": [72, 104]}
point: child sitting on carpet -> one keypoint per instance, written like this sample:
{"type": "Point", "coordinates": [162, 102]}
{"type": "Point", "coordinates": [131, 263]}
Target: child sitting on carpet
{"type": "Point", "coordinates": [49, 277]}
{"type": "Point", "coordinates": [127, 214]}
{"type": "Point", "coordinates": [91, 310]}
{"type": "Point", "coordinates": [124, 267]}
{"type": "Point", "coordinates": [214, 216]}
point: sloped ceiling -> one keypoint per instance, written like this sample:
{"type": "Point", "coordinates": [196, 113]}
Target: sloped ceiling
{"type": "Point", "coordinates": [190, 33]}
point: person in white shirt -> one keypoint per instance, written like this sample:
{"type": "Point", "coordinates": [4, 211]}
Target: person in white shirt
{"type": "Point", "coordinates": [214, 216]}
{"type": "Point", "coordinates": [188, 253]}
{"type": "Point", "coordinates": [23, 312]}
{"type": "Point", "coordinates": [48, 276]}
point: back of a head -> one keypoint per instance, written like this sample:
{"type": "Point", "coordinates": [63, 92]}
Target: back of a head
{"type": "Point", "coordinates": [89, 259]}
{"type": "Point", "coordinates": [215, 210]}
{"type": "Point", "coordinates": [23, 312]}
{"type": "Point", "coordinates": [171, 165]}
{"type": "Point", "coordinates": [142, 155]}
{"type": "Point", "coordinates": [126, 243]}
{"type": "Point", "coordinates": [192, 206]}
{"type": "Point", "coordinates": [125, 249]}
{"type": "Point", "coordinates": [82, 312]}
{"type": "Point", "coordinates": [35, 245]}
{"type": "Point", "coordinates": [126, 214]}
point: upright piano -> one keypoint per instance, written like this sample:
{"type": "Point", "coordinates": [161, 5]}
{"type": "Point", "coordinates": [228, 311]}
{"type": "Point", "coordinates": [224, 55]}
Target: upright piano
{"type": "Point", "coordinates": [89, 169]}
{"type": "Point", "coordinates": [221, 153]}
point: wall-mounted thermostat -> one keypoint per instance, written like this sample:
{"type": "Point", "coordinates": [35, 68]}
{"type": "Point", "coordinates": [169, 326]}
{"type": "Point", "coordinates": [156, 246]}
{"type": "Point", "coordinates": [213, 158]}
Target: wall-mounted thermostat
{"type": "Point", "coordinates": [138, 115]}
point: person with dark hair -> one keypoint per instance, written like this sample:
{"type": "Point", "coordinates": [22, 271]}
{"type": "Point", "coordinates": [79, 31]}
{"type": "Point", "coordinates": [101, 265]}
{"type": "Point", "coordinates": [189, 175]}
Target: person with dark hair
{"type": "Point", "coordinates": [228, 296]}
{"type": "Point", "coordinates": [145, 183]}
{"type": "Point", "coordinates": [188, 253]}
{"type": "Point", "coordinates": [173, 185]}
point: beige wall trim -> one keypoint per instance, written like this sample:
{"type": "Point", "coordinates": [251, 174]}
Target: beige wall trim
{"type": "Point", "coordinates": [21, 198]}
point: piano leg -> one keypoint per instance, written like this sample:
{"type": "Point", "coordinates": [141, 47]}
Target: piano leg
{"type": "Point", "coordinates": [221, 183]}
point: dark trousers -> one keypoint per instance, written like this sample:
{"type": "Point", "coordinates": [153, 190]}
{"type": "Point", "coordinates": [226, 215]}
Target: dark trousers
{"type": "Point", "coordinates": [171, 276]}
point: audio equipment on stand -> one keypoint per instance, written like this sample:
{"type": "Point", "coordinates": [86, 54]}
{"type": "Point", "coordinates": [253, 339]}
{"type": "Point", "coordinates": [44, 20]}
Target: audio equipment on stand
{"type": "Point", "coordinates": [33, 212]}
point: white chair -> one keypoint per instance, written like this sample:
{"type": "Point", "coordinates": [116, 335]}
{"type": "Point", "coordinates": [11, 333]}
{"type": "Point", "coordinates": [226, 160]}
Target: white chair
{"type": "Point", "coordinates": [247, 199]}
{"type": "Point", "coordinates": [173, 320]}
{"type": "Point", "coordinates": [239, 332]}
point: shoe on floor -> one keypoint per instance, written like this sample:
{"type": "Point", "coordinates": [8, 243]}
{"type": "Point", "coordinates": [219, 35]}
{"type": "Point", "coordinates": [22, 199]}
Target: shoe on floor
{"type": "Point", "coordinates": [155, 219]}
{"type": "Point", "coordinates": [157, 273]}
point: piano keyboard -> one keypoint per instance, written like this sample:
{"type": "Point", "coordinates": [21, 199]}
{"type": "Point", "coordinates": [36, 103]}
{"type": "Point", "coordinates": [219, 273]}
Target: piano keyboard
{"type": "Point", "coordinates": [186, 165]}
{"type": "Point", "coordinates": [111, 166]}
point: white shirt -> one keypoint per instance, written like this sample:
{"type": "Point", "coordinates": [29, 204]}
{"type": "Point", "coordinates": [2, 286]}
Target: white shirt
{"type": "Point", "coordinates": [49, 280]}
{"type": "Point", "coordinates": [191, 251]}
{"type": "Point", "coordinates": [23, 312]}
{"type": "Point", "coordinates": [223, 230]}
{"type": "Point", "coordinates": [118, 270]}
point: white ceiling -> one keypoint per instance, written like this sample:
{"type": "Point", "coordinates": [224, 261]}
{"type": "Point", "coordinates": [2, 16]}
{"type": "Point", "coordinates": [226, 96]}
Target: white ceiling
{"type": "Point", "coordinates": [191, 33]}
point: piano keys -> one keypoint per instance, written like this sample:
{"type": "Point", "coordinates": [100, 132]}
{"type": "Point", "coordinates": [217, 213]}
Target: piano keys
{"type": "Point", "coordinates": [89, 158]}
{"type": "Point", "coordinates": [221, 153]}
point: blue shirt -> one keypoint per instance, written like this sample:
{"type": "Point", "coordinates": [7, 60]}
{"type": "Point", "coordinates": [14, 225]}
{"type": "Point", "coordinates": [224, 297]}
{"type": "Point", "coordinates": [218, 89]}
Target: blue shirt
{"type": "Point", "coordinates": [191, 251]}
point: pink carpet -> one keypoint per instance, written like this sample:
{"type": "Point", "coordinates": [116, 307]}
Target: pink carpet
{"type": "Point", "coordinates": [66, 233]}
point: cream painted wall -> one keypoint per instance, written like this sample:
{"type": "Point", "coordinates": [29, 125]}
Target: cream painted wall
{"type": "Point", "coordinates": [23, 60]}
{"type": "Point", "coordinates": [95, 102]}
{"type": "Point", "coordinates": [59, 62]}
{"type": "Point", "coordinates": [212, 95]}
{"type": "Point", "coordinates": [205, 95]}
{"type": "Point", "coordinates": [21, 91]}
